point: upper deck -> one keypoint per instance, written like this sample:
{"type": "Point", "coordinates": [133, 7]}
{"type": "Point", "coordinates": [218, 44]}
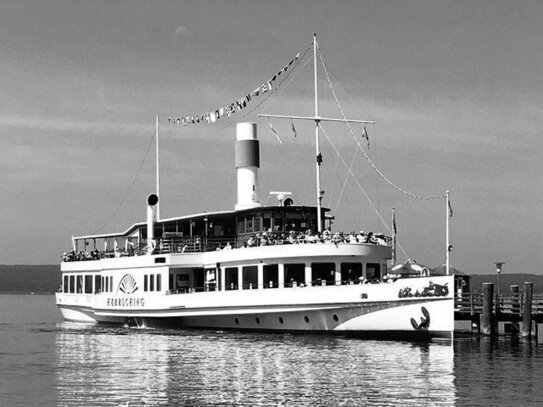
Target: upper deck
{"type": "Point", "coordinates": [205, 232]}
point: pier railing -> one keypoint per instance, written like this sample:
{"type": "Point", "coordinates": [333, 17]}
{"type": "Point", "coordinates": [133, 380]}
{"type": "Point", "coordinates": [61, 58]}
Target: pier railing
{"type": "Point", "coordinates": [487, 310]}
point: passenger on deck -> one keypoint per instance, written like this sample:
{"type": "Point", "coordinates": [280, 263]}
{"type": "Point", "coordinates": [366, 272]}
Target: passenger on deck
{"type": "Point", "coordinates": [360, 237]}
{"type": "Point", "coordinates": [380, 239]}
{"type": "Point", "coordinates": [251, 242]}
{"type": "Point", "coordinates": [228, 246]}
{"type": "Point", "coordinates": [370, 238]}
{"type": "Point", "coordinates": [352, 238]}
{"type": "Point", "coordinates": [291, 237]}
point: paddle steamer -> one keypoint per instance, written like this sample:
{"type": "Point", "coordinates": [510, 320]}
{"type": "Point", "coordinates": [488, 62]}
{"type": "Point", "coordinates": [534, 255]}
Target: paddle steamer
{"type": "Point", "coordinates": [278, 267]}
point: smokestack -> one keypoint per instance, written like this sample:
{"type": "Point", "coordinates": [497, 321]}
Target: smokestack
{"type": "Point", "coordinates": [152, 200]}
{"type": "Point", "coordinates": [247, 164]}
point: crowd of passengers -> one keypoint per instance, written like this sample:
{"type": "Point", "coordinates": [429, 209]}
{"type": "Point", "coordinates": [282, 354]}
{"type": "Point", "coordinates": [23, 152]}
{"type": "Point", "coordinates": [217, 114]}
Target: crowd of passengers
{"type": "Point", "coordinates": [81, 256]}
{"type": "Point", "coordinates": [271, 238]}
{"type": "Point", "coordinates": [266, 238]}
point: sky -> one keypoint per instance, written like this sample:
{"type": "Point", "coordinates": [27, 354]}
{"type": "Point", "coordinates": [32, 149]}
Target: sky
{"type": "Point", "coordinates": [455, 89]}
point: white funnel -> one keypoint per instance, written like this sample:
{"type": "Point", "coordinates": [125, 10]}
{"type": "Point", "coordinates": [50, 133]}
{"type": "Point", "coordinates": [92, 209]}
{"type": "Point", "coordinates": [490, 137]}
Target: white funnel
{"type": "Point", "coordinates": [247, 164]}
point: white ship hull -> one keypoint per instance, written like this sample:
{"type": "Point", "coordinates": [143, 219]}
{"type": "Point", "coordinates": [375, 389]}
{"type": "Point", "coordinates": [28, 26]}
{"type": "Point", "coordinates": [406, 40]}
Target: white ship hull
{"type": "Point", "coordinates": [362, 309]}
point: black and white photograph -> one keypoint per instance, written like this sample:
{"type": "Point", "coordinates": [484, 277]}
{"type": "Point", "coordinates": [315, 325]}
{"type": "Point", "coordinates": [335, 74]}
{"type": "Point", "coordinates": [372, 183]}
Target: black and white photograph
{"type": "Point", "coordinates": [271, 203]}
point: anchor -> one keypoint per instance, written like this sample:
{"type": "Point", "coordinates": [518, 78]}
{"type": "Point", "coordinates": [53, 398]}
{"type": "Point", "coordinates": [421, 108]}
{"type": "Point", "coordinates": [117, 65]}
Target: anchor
{"type": "Point", "coordinates": [424, 320]}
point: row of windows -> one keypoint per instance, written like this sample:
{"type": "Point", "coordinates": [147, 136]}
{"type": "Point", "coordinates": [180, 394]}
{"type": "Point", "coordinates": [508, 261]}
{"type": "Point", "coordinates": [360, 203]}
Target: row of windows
{"type": "Point", "coordinates": [149, 281]}
{"type": "Point", "coordinates": [88, 284]}
{"type": "Point", "coordinates": [294, 275]}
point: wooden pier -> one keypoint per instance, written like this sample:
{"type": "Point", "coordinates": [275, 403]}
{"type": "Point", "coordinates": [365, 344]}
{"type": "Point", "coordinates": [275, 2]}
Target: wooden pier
{"type": "Point", "coordinates": [520, 312]}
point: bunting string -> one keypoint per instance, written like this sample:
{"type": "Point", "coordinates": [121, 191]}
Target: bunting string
{"type": "Point", "coordinates": [240, 104]}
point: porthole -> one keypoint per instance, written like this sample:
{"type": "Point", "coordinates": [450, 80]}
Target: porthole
{"type": "Point", "coordinates": [236, 321]}
{"type": "Point", "coordinates": [281, 321]}
{"type": "Point", "coordinates": [335, 317]}
{"type": "Point", "coordinates": [257, 320]}
{"type": "Point", "coordinates": [306, 319]}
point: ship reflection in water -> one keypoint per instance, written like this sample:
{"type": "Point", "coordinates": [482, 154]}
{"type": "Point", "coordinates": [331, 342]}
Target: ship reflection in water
{"type": "Point", "coordinates": [111, 366]}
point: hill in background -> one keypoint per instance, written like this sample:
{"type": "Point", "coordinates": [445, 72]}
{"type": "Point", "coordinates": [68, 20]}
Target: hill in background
{"type": "Point", "coordinates": [24, 279]}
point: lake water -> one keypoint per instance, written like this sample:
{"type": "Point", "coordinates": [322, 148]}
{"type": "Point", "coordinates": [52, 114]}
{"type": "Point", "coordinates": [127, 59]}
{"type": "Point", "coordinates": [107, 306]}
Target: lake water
{"type": "Point", "coordinates": [47, 362]}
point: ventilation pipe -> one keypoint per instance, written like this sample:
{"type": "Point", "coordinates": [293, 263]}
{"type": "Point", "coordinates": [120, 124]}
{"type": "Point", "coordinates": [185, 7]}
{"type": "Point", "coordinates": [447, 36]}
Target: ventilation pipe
{"type": "Point", "coordinates": [152, 200]}
{"type": "Point", "coordinates": [247, 164]}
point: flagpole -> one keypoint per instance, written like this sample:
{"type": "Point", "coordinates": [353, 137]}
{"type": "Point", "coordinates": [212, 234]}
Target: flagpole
{"type": "Point", "coordinates": [157, 171]}
{"type": "Point", "coordinates": [447, 212]}
{"type": "Point", "coordinates": [317, 152]}
{"type": "Point", "coordinates": [393, 236]}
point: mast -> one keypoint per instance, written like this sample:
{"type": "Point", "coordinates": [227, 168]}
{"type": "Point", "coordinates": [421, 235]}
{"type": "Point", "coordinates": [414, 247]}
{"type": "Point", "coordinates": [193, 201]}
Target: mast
{"type": "Point", "coordinates": [318, 156]}
{"type": "Point", "coordinates": [317, 119]}
{"type": "Point", "coordinates": [157, 171]}
{"type": "Point", "coordinates": [447, 206]}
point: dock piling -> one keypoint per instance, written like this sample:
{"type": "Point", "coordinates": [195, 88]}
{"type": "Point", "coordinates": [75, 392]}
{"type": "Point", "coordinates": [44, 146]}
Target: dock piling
{"type": "Point", "coordinates": [488, 320]}
{"type": "Point", "coordinates": [527, 312]}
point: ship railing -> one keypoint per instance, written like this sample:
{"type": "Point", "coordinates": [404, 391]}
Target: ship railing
{"type": "Point", "coordinates": [198, 244]}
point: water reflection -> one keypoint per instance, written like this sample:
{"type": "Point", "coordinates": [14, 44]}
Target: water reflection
{"type": "Point", "coordinates": [498, 371]}
{"type": "Point", "coordinates": [111, 366]}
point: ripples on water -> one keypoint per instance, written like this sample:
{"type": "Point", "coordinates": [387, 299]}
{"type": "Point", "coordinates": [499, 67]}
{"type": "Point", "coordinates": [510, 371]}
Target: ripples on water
{"type": "Point", "coordinates": [48, 362]}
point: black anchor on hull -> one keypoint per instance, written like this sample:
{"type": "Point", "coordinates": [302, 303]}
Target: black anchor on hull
{"type": "Point", "coordinates": [424, 321]}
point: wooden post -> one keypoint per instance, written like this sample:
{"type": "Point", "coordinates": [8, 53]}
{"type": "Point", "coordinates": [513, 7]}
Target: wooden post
{"type": "Point", "coordinates": [487, 317]}
{"type": "Point", "coordinates": [515, 310]}
{"type": "Point", "coordinates": [515, 304]}
{"type": "Point", "coordinates": [527, 314]}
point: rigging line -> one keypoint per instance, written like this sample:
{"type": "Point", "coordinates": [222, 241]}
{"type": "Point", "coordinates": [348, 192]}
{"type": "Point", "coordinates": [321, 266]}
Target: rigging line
{"type": "Point", "coordinates": [412, 195]}
{"type": "Point", "coordinates": [123, 200]}
{"type": "Point", "coordinates": [361, 188]}
{"type": "Point", "coordinates": [290, 74]}
{"type": "Point", "coordinates": [345, 181]}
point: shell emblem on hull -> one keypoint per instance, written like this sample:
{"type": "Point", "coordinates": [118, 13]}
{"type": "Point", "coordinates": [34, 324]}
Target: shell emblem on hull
{"type": "Point", "coordinates": [128, 284]}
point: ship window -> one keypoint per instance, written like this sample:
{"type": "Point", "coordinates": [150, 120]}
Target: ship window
{"type": "Point", "coordinates": [258, 320]}
{"type": "Point", "coordinates": [323, 273]}
{"type": "Point", "coordinates": [294, 274]}
{"type": "Point", "coordinates": [66, 284]}
{"type": "Point", "coordinates": [88, 284]}
{"type": "Point", "coordinates": [266, 221]}
{"type": "Point", "coordinates": [277, 222]}
{"type": "Point", "coordinates": [231, 278]}
{"type": "Point", "coordinates": [306, 319]}
{"type": "Point", "coordinates": [250, 277]}
{"type": "Point", "coordinates": [281, 320]}
{"type": "Point", "coordinates": [151, 282]}
{"type": "Point", "coordinates": [72, 284]}
{"type": "Point", "coordinates": [79, 284]}
{"type": "Point", "coordinates": [373, 271]}
{"type": "Point", "coordinates": [249, 224]}
{"type": "Point", "coordinates": [271, 276]}
{"type": "Point", "coordinates": [111, 283]}
{"type": "Point", "coordinates": [145, 282]}
{"type": "Point", "coordinates": [97, 284]}
{"type": "Point", "coordinates": [351, 273]}
{"type": "Point", "coordinates": [335, 318]}
{"type": "Point", "coordinates": [158, 282]}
